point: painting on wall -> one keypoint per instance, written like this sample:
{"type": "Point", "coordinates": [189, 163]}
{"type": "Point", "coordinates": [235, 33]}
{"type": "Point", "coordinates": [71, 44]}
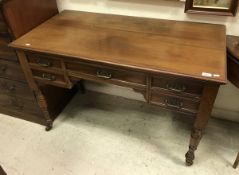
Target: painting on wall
{"type": "Point", "coordinates": [217, 7]}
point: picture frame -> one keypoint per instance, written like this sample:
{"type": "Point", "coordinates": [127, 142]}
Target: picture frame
{"type": "Point", "coordinates": [213, 7]}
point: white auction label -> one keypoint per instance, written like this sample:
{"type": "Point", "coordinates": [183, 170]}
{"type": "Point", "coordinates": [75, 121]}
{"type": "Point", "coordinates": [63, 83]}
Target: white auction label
{"type": "Point", "coordinates": [216, 75]}
{"type": "Point", "coordinates": [206, 74]}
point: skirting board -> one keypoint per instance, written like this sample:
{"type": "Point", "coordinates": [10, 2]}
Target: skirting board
{"type": "Point", "coordinates": [226, 114]}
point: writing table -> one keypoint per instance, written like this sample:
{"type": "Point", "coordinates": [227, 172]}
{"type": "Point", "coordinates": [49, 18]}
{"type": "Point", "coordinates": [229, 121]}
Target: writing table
{"type": "Point", "coordinates": [176, 65]}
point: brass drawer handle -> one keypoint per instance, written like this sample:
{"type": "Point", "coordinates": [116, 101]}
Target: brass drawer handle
{"type": "Point", "coordinates": [44, 63]}
{"type": "Point", "coordinates": [48, 77]}
{"type": "Point", "coordinates": [104, 74]}
{"type": "Point", "coordinates": [176, 87]}
{"type": "Point", "coordinates": [174, 103]}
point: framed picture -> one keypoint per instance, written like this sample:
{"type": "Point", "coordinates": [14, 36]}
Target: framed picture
{"type": "Point", "coordinates": [215, 7]}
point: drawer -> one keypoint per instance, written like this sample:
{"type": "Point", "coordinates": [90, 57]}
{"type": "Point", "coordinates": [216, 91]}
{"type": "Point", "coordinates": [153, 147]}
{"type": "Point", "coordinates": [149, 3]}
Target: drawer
{"type": "Point", "coordinates": [43, 61]}
{"type": "Point", "coordinates": [105, 73]}
{"type": "Point", "coordinates": [13, 103]}
{"type": "Point", "coordinates": [178, 85]}
{"type": "Point", "coordinates": [177, 103]}
{"type": "Point", "coordinates": [6, 52]}
{"type": "Point", "coordinates": [49, 78]}
{"type": "Point", "coordinates": [15, 88]}
{"type": "Point", "coordinates": [11, 70]}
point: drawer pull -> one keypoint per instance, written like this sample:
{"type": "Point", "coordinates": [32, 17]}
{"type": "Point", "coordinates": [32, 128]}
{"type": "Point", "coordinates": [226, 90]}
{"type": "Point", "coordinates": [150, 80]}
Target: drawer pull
{"type": "Point", "coordinates": [48, 77]}
{"type": "Point", "coordinates": [104, 75]}
{"type": "Point", "coordinates": [44, 63]}
{"type": "Point", "coordinates": [3, 68]}
{"type": "Point", "coordinates": [174, 103]}
{"type": "Point", "coordinates": [176, 87]}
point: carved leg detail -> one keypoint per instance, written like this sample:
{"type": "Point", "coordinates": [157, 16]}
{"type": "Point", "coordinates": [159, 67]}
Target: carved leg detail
{"type": "Point", "coordinates": [43, 105]}
{"type": "Point", "coordinates": [205, 108]}
{"type": "Point", "coordinates": [236, 161]}
{"type": "Point", "coordinates": [194, 141]}
{"type": "Point", "coordinates": [190, 156]}
{"type": "Point", "coordinates": [49, 125]}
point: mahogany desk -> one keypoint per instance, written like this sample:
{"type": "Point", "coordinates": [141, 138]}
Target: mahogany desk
{"type": "Point", "coordinates": [176, 65]}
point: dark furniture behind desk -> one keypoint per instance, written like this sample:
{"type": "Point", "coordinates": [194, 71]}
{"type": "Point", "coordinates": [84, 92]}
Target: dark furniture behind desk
{"type": "Point", "coordinates": [16, 98]}
{"type": "Point", "coordinates": [176, 65]}
{"type": "Point", "coordinates": [233, 67]}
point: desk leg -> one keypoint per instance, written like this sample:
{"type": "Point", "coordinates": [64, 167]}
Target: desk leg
{"type": "Point", "coordinates": [208, 97]}
{"type": "Point", "coordinates": [236, 161]}
{"type": "Point", "coordinates": [43, 105]}
{"type": "Point", "coordinates": [34, 87]}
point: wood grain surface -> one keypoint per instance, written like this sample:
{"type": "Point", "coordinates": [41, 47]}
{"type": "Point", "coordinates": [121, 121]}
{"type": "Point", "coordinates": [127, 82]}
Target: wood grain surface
{"type": "Point", "coordinates": [182, 48]}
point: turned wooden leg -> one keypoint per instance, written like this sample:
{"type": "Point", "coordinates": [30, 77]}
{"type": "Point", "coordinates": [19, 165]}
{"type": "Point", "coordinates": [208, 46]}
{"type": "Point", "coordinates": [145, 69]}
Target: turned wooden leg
{"type": "Point", "coordinates": [194, 141]}
{"type": "Point", "coordinates": [43, 105]}
{"type": "Point", "coordinates": [208, 97]}
{"type": "Point", "coordinates": [49, 125]}
{"type": "Point", "coordinates": [34, 87]}
{"type": "Point", "coordinates": [236, 161]}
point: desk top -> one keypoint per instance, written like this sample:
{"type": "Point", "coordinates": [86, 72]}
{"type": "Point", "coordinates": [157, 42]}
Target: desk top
{"type": "Point", "coordinates": [181, 48]}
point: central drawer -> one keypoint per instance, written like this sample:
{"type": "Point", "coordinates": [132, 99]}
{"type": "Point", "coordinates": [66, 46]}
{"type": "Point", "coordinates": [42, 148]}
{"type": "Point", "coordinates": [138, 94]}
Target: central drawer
{"type": "Point", "coordinates": [106, 73]}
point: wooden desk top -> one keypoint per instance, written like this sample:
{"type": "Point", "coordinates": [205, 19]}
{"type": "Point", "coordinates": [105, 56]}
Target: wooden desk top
{"type": "Point", "coordinates": [179, 48]}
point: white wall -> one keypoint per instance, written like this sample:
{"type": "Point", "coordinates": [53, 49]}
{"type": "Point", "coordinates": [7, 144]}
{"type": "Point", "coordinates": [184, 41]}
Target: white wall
{"type": "Point", "coordinates": [227, 103]}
